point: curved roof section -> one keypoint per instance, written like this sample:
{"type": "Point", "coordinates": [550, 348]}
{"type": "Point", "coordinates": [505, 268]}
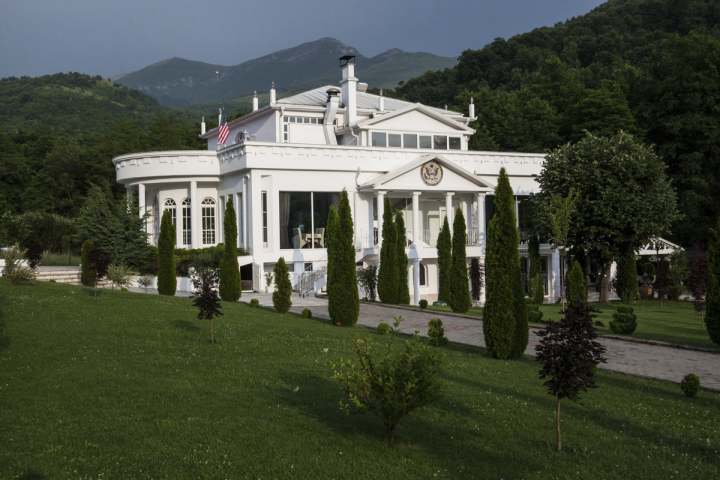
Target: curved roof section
{"type": "Point", "coordinates": [366, 101]}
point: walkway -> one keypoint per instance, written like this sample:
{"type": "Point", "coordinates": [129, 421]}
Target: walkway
{"type": "Point", "coordinates": [650, 361]}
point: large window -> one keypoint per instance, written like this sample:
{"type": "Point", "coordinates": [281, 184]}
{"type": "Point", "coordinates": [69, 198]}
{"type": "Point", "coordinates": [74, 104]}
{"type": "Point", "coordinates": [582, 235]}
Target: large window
{"type": "Point", "coordinates": [263, 196]}
{"type": "Point", "coordinates": [379, 139]}
{"type": "Point", "coordinates": [187, 222]}
{"type": "Point", "coordinates": [171, 207]}
{"type": "Point", "coordinates": [414, 140]}
{"type": "Point", "coordinates": [423, 275]}
{"type": "Point", "coordinates": [241, 227]}
{"type": "Point", "coordinates": [303, 218]}
{"type": "Point", "coordinates": [208, 221]}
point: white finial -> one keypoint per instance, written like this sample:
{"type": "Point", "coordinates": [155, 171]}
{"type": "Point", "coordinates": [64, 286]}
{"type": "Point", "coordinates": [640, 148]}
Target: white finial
{"type": "Point", "coordinates": [381, 92]}
{"type": "Point", "coordinates": [446, 106]}
{"type": "Point", "coordinates": [272, 85]}
{"type": "Point", "coordinates": [255, 93]}
{"type": "Point", "coordinates": [202, 126]}
{"type": "Point", "coordinates": [272, 94]}
{"type": "Point", "coordinates": [472, 100]}
{"type": "Point", "coordinates": [472, 108]}
{"type": "Point", "coordinates": [203, 119]}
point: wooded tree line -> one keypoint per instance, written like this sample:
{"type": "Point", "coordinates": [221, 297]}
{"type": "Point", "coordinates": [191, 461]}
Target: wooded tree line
{"type": "Point", "coordinates": [648, 67]}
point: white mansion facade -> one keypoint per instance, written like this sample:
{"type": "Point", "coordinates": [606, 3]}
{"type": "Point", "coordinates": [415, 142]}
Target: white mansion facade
{"type": "Point", "coordinates": [283, 165]}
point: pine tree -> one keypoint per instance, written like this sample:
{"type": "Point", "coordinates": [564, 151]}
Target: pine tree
{"type": "Point", "coordinates": [712, 296]}
{"type": "Point", "coordinates": [536, 294]}
{"type": "Point", "coordinates": [96, 221]}
{"type": "Point", "coordinates": [627, 285]}
{"type": "Point", "coordinates": [344, 294]}
{"type": "Point", "coordinates": [402, 261]}
{"type": "Point", "coordinates": [505, 315]}
{"type": "Point", "coordinates": [459, 283]}
{"type": "Point", "coordinates": [283, 287]}
{"type": "Point", "coordinates": [444, 251]}
{"type": "Point", "coordinates": [333, 224]}
{"type": "Point", "coordinates": [166, 279]}
{"type": "Point", "coordinates": [388, 275]}
{"type": "Point", "coordinates": [87, 272]}
{"type": "Point", "coordinates": [230, 281]}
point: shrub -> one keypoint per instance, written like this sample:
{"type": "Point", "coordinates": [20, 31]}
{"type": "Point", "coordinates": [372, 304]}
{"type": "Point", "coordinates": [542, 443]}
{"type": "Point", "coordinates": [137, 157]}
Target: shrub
{"type": "Point", "coordinates": [167, 281]}
{"type": "Point", "coordinates": [230, 281]}
{"type": "Point", "coordinates": [123, 289]}
{"type": "Point", "coordinates": [145, 282]}
{"type": "Point", "coordinates": [690, 385]}
{"type": "Point", "coordinates": [393, 384]}
{"type": "Point", "coordinates": [283, 287]}
{"type": "Point", "coordinates": [120, 275]}
{"type": "Point", "coordinates": [100, 260]}
{"type": "Point", "coordinates": [534, 313]}
{"type": "Point", "coordinates": [577, 285]}
{"type": "Point", "coordinates": [436, 333]}
{"type": "Point", "coordinates": [624, 320]}
{"type": "Point", "coordinates": [34, 254]}
{"type": "Point", "coordinates": [205, 295]}
{"type": "Point", "coordinates": [477, 278]}
{"type": "Point", "coordinates": [306, 313]}
{"type": "Point", "coordinates": [627, 285]}
{"type": "Point", "coordinates": [254, 303]}
{"type": "Point", "coordinates": [423, 304]}
{"type": "Point", "coordinates": [367, 279]}
{"type": "Point", "coordinates": [383, 328]}
{"type": "Point", "coordinates": [13, 269]}
{"type": "Point", "coordinates": [52, 281]}
{"type": "Point", "coordinates": [87, 270]}
{"type": "Point", "coordinates": [675, 291]}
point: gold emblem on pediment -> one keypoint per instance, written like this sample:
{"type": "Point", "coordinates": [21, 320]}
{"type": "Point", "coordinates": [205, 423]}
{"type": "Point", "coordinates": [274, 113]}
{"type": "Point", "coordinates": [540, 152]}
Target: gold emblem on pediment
{"type": "Point", "coordinates": [431, 173]}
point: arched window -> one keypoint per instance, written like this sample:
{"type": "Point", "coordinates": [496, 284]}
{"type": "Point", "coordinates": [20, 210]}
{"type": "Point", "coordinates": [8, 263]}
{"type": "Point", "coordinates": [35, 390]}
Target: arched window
{"type": "Point", "coordinates": [423, 275]}
{"type": "Point", "coordinates": [186, 217]}
{"type": "Point", "coordinates": [170, 206]}
{"type": "Point", "coordinates": [208, 221]}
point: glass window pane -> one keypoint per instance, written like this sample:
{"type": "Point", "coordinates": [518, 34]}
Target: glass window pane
{"type": "Point", "coordinates": [321, 207]}
{"type": "Point", "coordinates": [409, 140]}
{"type": "Point", "coordinates": [294, 219]}
{"type": "Point", "coordinates": [394, 140]}
{"type": "Point", "coordinates": [425, 141]}
{"type": "Point", "coordinates": [440, 142]}
{"type": "Point", "coordinates": [454, 143]}
{"type": "Point", "coordinates": [285, 119]}
{"type": "Point", "coordinates": [292, 119]}
{"type": "Point", "coordinates": [378, 139]}
{"type": "Point", "coordinates": [313, 120]}
{"type": "Point", "coordinates": [307, 120]}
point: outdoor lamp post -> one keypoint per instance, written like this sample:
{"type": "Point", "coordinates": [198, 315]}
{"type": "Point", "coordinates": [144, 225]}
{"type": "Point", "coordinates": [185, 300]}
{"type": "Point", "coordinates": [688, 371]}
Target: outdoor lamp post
{"type": "Point", "coordinates": [658, 246]}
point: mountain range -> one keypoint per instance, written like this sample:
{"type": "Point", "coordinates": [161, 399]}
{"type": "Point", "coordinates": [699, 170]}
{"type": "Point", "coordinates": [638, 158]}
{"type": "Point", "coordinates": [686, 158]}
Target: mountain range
{"type": "Point", "coordinates": [177, 81]}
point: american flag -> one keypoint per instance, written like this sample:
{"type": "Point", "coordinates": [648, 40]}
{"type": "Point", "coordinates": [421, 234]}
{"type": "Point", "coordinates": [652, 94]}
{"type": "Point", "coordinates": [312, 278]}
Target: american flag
{"type": "Point", "coordinates": [224, 131]}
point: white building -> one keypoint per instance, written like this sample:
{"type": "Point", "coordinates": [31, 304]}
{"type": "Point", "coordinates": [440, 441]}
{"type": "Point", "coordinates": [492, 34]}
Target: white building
{"type": "Point", "coordinates": [283, 165]}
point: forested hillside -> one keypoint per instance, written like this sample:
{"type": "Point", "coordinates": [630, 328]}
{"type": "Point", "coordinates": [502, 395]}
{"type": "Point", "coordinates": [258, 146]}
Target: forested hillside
{"type": "Point", "coordinates": [650, 67]}
{"type": "Point", "coordinates": [72, 104]}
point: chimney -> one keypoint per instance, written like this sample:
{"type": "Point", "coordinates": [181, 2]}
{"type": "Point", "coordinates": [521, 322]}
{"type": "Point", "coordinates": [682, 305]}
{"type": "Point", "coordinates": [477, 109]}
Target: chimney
{"type": "Point", "coordinates": [330, 112]}
{"type": "Point", "coordinates": [255, 101]}
{"type": "Point", "coordinates": [272, 94]}
{"type": "Point", "coordinates": [202, 126]}
{"type": "Point", "coordinates": [349, 89]}
{"type": "Point", "coordinates": [381, 106]}
{"type": "Point", "coordinates": [472, 108]}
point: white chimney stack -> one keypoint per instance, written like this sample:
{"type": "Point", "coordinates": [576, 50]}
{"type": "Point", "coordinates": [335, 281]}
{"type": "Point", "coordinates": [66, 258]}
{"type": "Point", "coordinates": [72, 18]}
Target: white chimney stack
{"type": "Point", "coordinates": [472, 108]}
{"type": "Point", "coordinates": [255, 101]}
{"type": "Point", "coordinates": [202, 126]}
{"type": "Point", "coordinates": [272, 94]}
{"type": "Point", "coordinates": [381, 106]}
{"type": "Point", "coordinates": [348, 84]}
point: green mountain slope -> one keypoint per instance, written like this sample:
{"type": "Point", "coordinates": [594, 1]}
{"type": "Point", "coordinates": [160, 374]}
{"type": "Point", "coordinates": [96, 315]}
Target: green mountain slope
{"type": "Point", "coordinates": [177, 81]}
{"type": "Point", "coordinates": [73, 104]}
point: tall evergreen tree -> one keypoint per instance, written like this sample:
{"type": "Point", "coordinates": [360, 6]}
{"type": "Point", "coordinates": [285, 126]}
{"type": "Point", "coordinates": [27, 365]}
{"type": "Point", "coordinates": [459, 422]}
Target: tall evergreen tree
{"type": "Point", "coordinates": [712, 297]}
{"type": "Point", "coordinates": [535, 270]}
{"type": "Point", "coordinates": [166, 279]}
{"type": "Point", "coordinates": [332, 227]}
{"type": "Point", "coordinates": [344, 293]}
{"type": "Point", "coordinates": [504, 316]}
{"type": "Point", "coordinates": [444, 251]}
{"type": "Point", "coordinates": [96, 221]}
{"type": "Point", "coordinates": [87, 269]}
{"type": "Point", "coordinates": [388, 275]}
{"type": "Point", "coordinates": [577, 287]}
{"type": "Point", "coordinates": [627, 285]}
{"type": "Point", "coordinates": [402, 261]}
{"type": "Point", "coordinates": [283, 287]}
{"type": "Point", "coordinates": [459, 281]}
{"type": "Point", "coordinates": [230, 281]}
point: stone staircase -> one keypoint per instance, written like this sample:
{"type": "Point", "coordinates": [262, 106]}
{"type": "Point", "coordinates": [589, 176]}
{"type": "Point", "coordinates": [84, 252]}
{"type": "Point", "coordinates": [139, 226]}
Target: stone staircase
{"type": "Point", "coordinates": [68, 275]}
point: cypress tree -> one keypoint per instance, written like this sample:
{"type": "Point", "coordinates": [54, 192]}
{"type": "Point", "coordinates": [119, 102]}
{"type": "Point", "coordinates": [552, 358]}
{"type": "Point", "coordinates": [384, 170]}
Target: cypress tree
{"type": "Point", "coordinates": [444, 251]}
{"type": "Point", "coordinates": [402, 261]}
{"type": "Point", "coordinates": [535, 270]}
{"type": "Point", "coordinates": [627, 285]}
{"type": "Point", "coordinates": [87, 272]}
{"type": "Point", "coordinates": [230, 281]}
{"type": "Point", "coordinates": [459, 284]}
{"type": "Point", "coordinates": [388, 275]}
{"type": "Point", "coordinates": [344, 296]}
{"type": "Point", "coordinates": [504, 316]}
{"type": "Point", "coordinates": [166, 279]}
{"type": "Point", "coordinates": [283, 287]}
{"type": "Point", "coordinates": [577, 286]}
{"type": "Point", "coordinates": [332, 227]}
{"type": "Point", "coordinates": [712, 295]}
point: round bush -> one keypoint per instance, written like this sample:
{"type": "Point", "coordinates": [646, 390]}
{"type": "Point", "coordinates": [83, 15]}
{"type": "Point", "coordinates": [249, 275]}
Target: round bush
{"type": "Point", "coordinates": [254, 303]}
{"type": "Point", "coordinates": [123, 289]}
{"type": "Point", "coordinates": [423, 304]}
{"type": "Point", "coordinates": [690, 385]}
{"type": "Point", "coordinates": [306, 313]}
{"type": "Point", "coordinates": [383, 328]}
{"type": "Point", "coordinates": [624, 320]}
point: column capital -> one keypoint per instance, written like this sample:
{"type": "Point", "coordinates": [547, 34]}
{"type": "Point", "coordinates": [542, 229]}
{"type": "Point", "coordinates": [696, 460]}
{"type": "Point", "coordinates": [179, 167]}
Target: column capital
{"type": "Point", "coordinates": [381, 192]}
{"type": "Point", "coordinates": [416, 194]}
{"type": "Point", "coordinates": [449, 194]}
{"type": "Point", "coordinates": [480, 194]}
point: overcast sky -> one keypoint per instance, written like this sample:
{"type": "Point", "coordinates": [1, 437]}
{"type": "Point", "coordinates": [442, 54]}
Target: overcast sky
{"type": "Point", "coordinates": [99, 37]}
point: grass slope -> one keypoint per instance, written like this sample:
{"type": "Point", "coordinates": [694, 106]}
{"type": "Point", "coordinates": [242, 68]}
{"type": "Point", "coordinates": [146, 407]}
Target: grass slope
{"type": "Point", "coordinates": [128, 386]}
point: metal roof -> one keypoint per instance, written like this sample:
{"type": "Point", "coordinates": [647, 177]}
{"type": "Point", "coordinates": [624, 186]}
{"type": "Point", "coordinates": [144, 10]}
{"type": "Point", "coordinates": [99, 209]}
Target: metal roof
{"type": "Point", "coordinates": [365, 101]}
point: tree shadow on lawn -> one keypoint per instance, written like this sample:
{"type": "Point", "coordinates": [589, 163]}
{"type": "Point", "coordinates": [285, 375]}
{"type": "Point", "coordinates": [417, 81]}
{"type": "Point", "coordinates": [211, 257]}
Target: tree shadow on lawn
{"type": "Point", "coordinates": [185, 325]}
{"type": "Point", "coordinates": [4, 339]}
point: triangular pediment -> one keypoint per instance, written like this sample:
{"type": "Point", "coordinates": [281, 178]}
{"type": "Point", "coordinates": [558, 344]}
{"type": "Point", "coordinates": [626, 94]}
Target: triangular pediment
{"type": "Point", "coordinates": [418, 118]}
{"type": "Point", "coordinates": [429, 173]}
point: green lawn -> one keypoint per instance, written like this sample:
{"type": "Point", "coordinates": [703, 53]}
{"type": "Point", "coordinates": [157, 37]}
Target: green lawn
{"type": "Point", "coordinates": [127, 386]}
{"type": "Point", "coordinates": [674, 322]}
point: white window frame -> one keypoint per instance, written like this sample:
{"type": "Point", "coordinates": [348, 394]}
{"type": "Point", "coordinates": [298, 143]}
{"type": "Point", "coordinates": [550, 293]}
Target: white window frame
{"type": "Point", "coordinates": [208, 225]}
{"type": "Point", "coordinates": [417, 134]}
{"type": "Point", "coordinates": [187, 222]}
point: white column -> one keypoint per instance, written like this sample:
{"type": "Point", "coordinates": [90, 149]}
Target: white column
{"type": "Point", "coordinates": [480, 208]}
{"type": "Point", "coordinates": [416, 281]}
{"type": "Point", "coordinates": [381, 212]}
{"type": "Point", "coordinates": [141, 201]}
{"type": "Point", "coordinates": [245, 213]}
{"type": "Point", "coordinates": [194, 214]}
{"type": "Point", "coordinates": [371, 223]}
{"type": "Point", "coordinates": [416, 219]}
{"type": "Point", "coordinates": [449, 209]}
{"type": "Point", "coordinates": [556, 274]}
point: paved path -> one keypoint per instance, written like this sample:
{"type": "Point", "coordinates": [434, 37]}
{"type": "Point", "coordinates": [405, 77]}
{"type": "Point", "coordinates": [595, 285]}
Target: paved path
{"type": "Point", "coordinates": [652, 361]}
